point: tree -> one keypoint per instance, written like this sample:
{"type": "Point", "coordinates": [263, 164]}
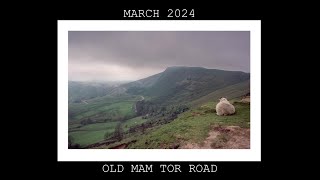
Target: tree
{"type": "Point", "coordinates": [107, 135]}
{"type": "Point", "coordinates": [87, 121]}
{"type": "Point", "coordinates": [118, 133]}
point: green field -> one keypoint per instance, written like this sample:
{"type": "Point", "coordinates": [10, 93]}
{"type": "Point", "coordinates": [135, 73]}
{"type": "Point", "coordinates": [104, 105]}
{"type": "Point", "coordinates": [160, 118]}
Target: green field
{"type": "Point", "coordinates": [91, 133]}
{"type": "Point", "coordinates": [115, 110]}
{"type": "Point", "coordinates": [84, 138]}
{"type": "Point", "coordinates": [99, 126]}
{"type": "Point", "coordinates": [192, 126]}
{"type": "Point", "coordinates": [104, 114]}
{"type": "Point", "coordinates": [132, 122]}
{"type": "Point", "coordinates": [74, 126]}
{"type": "Point", "coordinates": [103, 109]}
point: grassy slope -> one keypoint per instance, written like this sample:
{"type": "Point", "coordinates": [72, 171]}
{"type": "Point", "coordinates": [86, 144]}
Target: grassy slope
{"type": "Point", "coordinates": [132, 122]}
{"type": "Point", "coordinates": [186, 127]}
{"type": "Point", "coordinates": [99, 108]}
{"type": "Point", "coordinates": [103, 107]}
{"type": "Point", "coordinates": [99, 126]}
{"type": "Point", "coordinates": [92, 133]}
{"type": "Point", "coordinates": [182, 85]}
{"type": "Point", "coordinates": [229, 92]}
{"type": "Point", "coordinates": [115, 110]}
{"type": "Point", "coordinates": [88, 137]}
{"type": "Point", "coordinates": [192, 126]}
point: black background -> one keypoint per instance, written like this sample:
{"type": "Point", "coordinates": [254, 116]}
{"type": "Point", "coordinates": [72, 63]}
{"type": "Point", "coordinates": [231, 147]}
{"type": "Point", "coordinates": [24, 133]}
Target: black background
{"type": "Point", "coordinates": [239, 169]}
{"type": "Point", "coordinates": [225, 169]}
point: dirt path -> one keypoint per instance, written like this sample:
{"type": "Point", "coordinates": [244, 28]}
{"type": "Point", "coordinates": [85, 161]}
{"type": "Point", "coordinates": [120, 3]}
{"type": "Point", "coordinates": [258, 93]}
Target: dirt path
{"type": "Point", "coordinates": [240, 139]}
{"type": "Point", "coordinates": [84, 101]}
{"type": "Point", "coordinates": [223, 137]}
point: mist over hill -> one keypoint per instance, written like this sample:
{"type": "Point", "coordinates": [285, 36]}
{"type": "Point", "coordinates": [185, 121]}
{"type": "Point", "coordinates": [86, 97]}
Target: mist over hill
{"type": "Point", "coordinates": [79, 91]}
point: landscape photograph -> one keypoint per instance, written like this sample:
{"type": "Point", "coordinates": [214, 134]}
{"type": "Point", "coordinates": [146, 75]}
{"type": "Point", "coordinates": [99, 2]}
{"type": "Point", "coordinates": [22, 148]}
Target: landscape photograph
{"type": "Point", "coordinates": [158, 90]}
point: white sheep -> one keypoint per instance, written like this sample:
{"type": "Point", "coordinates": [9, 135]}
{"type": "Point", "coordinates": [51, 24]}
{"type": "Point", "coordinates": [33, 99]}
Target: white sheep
{"type": "Point", "coordinates": [224, 107]}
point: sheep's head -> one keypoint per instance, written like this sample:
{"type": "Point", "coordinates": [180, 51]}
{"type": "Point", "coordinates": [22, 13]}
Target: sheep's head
{"type": "Point", "coordinates": [223, 99]}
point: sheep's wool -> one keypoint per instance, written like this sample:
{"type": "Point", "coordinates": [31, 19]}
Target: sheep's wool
{"type": "Point", "coordinates": [224, 108]}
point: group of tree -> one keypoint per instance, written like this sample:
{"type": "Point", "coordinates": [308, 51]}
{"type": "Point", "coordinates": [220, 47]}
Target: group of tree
{"type": "Point", "coordinates": [150, 109]}
{"type": "Point", "coordinates": [118, 133]}
{"type": "Point", "coordinates": [87, 121]}
{"type": "Point", "coordinates": [157, 115]}
{"type": "Point", "coordinates": [141, 127]}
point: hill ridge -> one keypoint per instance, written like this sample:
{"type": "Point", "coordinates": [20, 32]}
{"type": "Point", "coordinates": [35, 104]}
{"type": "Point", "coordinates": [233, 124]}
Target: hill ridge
{"type": "Point", "coordinates": [181, 82]}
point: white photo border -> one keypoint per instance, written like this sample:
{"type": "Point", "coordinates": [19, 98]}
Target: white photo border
{"type": "Point", "coordinates": [252, 154]}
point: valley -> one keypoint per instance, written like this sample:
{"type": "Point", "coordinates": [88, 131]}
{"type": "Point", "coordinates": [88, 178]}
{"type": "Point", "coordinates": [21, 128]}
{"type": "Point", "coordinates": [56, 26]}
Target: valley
{"type": "Point", "coordinates": [172, 109]}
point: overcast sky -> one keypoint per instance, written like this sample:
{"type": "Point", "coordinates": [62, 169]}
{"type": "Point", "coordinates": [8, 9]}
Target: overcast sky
{"type": "Point", "coordinates": [114, 56]}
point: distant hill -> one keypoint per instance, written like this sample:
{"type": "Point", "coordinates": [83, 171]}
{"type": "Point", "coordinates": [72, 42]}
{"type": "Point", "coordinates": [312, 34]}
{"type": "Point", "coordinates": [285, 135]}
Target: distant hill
{"type": "Point", "coordinates": [184, 84]}
{"type": "Point", "coordinates": [175, 85]}
{"type": "Point", "coordinates": [78, 91]}
{"type": "Point", "coordinates": [143, 83]}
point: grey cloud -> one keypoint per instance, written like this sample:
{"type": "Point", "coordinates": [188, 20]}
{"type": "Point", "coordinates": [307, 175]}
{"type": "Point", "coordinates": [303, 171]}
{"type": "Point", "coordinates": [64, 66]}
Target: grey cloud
{"type": "Point", "coordinates": [149, 52]}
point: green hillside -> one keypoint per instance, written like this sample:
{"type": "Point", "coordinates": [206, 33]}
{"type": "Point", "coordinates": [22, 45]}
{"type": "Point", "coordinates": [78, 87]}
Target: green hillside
{"type": "Point", "coordinates": [230, 92]}
{"type": "Point", "coordinates": [91, 133]}
{"type": "Point", "coordinates": [192, 126]}
{"type": "Point", "coordinates": [103, 109]}
{"type": "Point", "coordinates": [163, 108]}
{"type": "Point", "coordinates": [90, 121]}
{"type": "Point", "coordinates": [185, 84]}
{"type": "Point", "coordinates": [146, 82]}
